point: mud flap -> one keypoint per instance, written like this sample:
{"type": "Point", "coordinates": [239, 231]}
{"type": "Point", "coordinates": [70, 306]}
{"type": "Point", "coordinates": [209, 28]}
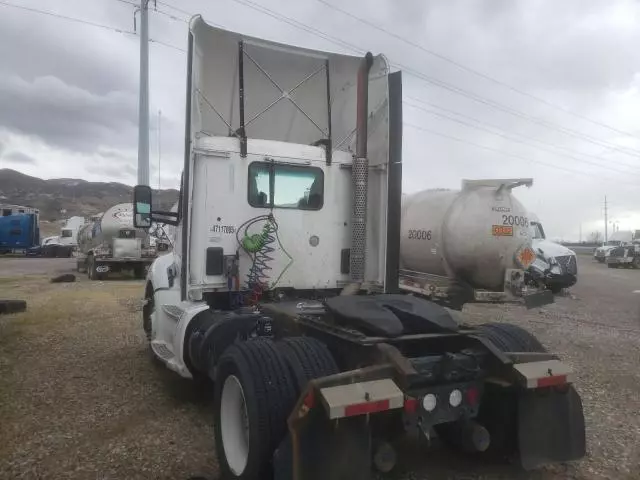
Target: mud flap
{"type": "Point", "coordinates": [336, 450]}
{"type": "Point", "coordinates": [550, 427]}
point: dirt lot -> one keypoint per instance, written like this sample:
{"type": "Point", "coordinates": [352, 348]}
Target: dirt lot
{"type": "Point", "coordinates": [80, 398]}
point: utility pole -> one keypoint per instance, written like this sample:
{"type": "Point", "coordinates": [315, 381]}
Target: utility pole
{"type": "Point", "coordinates": [606, 220]}
{"type": "Point", "coordinates": [159, 147]}
{"type": "Point", "coordinates": [143, 106]}
{"type": "Point", "coordinates": [580, 239]}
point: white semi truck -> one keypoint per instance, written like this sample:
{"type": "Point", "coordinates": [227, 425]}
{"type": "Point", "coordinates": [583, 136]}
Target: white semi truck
{"type": "Point", "coordinates": [282, 286]}
{"type": "Point", "coordinates": [111, 243]}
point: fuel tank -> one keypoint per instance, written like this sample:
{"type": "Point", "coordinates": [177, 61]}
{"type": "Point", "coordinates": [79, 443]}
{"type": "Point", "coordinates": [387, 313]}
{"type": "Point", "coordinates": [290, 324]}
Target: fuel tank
{"type": "Point", "coordinates": [473, 234]}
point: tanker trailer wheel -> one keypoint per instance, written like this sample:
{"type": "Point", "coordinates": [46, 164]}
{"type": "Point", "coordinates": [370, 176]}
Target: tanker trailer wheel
{"type": "Point", "coordinates": [254, 395]}
{"type": "Point", "coordinates": [92, 271]}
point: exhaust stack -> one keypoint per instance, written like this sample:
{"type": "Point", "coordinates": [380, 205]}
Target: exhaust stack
{"type": "Point", "coordinates": [360, 176]}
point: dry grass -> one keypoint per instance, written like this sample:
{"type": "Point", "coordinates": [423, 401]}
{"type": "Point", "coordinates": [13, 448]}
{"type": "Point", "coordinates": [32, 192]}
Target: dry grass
{"type": "Point", "coordinates": [79, 397]}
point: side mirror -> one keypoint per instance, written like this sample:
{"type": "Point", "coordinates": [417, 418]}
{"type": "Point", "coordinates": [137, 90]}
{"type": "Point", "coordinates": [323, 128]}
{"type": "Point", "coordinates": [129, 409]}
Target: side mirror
{"type": "Point", "coordinates": [142, 206]}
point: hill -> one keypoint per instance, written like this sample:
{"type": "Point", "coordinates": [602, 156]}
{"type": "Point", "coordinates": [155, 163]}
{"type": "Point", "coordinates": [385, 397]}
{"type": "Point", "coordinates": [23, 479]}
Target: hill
{"type": "Point", "coordinates": [73, 196]}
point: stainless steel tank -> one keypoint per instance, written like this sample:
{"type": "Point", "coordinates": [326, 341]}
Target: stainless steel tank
{"type": "Point", "coordinates": [473, 234]}
{"type": "Point", "coordinates": [116, 222]}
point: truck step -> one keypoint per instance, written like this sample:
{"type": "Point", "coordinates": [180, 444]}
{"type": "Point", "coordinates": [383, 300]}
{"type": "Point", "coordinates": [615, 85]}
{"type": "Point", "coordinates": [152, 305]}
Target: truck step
{"type": "Point", "coordinates": [162, 351]}
{"type": "Point", "coordinates": [174, 311]}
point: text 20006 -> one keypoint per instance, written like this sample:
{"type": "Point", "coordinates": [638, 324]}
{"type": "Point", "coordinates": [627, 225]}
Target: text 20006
{"type": "Point", "coordinates": [515, 220]}
{"type": "Point", "coordinates": [419, 234]}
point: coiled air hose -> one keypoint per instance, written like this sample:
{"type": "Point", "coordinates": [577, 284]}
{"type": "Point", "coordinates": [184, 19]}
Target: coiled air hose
{"type": "Point", "coordinates": [260, 248]}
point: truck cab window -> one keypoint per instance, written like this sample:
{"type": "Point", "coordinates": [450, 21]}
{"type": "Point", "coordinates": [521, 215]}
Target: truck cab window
{"type": "Point", "coordinates": [285, 186]}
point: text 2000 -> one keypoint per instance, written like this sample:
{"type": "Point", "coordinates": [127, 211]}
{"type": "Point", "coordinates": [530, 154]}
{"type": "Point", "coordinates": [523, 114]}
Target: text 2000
{"type": "Point", "coordinates": [419, 234]}
{"type": "Point", "coordinates": [515, 220]}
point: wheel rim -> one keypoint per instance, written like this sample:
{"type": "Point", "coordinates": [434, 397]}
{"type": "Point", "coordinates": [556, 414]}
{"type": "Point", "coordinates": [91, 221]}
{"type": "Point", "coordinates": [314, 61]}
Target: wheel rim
{"type": "Point", "coordinates": [234, 425]}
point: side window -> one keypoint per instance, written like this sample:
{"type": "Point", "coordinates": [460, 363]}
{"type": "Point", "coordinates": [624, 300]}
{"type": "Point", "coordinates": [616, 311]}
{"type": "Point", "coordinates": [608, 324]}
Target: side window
{"type": "Point", "coordinates": [274, 185]}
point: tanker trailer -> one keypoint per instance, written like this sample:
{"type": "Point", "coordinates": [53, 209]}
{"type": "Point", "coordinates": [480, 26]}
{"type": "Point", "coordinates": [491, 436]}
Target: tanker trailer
{"type": "Point", "coordinates": [110, 243]}
{"type": "Point", "coordinates": [468, 245]}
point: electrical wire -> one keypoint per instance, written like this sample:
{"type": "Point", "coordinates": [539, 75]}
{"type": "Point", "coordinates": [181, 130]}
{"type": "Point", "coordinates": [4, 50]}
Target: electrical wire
{"type": "Point", "coordinates": [438, 83]}
{"type": "Point", "coordinates": [507, 154]}
{"type": "Point", "coordinates": [483, 122]}
{"type": "Point", "coordinates": [65, 17]}
{"type": "Point", "coordinates": [473, 71]}
{"type": "Point", "coordinates": [523, 142]}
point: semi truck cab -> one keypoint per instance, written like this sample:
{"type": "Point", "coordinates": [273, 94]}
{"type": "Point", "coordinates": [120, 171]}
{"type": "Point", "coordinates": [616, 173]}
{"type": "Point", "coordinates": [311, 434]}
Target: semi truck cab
{"type": "Point", "coordinates": [282, 286]}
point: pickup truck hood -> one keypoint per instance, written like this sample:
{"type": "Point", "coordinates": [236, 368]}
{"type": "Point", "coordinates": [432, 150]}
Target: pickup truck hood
{"type": "Point", "coordinates": [551, 249]}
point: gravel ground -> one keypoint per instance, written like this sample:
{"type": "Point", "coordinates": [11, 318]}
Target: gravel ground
{"type": "Point", "coordinates": [80, 399]}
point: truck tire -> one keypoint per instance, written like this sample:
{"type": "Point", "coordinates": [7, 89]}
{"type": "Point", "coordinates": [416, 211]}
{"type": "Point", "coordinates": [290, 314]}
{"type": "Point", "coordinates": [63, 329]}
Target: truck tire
{"type": "Point", "coordinates": [511, 338]}
{"type": "Point", "coordinates": [307, 359]}
{"type": "Point", "coordinates": [92, 273]}
{"type": "Point", "coordinates": [12, 306]}
{"type": "Point", "coordinates": [254, 395]}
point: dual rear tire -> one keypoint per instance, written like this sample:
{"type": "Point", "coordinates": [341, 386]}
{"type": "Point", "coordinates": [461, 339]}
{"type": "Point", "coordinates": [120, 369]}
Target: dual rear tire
{"type": "Point", "coordinates": [256, 387]}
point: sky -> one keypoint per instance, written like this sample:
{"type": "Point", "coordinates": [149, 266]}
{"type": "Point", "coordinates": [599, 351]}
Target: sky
{"type": "Point", "coordinates": [491, 89]}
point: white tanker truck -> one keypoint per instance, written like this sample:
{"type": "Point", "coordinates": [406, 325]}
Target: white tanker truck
{"type": "Point", "coordinates": [110, 243]}
{"type": "Point", "coordinates": [468, 245]}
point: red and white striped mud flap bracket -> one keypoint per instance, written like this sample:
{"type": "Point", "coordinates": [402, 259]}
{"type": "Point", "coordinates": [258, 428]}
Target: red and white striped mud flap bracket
{"type": "Point", "coordinates": [361, 398]}
{"type": "Point", "coordinates": [547, 373]}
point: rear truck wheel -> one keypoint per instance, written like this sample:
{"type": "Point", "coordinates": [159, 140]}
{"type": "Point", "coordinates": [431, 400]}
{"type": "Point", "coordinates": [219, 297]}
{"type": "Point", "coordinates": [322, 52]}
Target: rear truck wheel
{"type": "Point", "coordinates": [511, 338]}
{"type": "Point", "coordinates": [254, 395]}
{"type": "Point", "coordinates": [307, 359]}
{"type": "Point", "coordinates": [12, 306]}
{"type": "Point", "coordinates": [531, 427]}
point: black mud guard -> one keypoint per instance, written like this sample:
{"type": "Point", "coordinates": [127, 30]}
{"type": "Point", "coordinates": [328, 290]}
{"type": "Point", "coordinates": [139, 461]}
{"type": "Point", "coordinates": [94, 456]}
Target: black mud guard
{"type": "Point", "coordinates": [325, 449]}
{"type": "Point", "coordinates": [551, 427]}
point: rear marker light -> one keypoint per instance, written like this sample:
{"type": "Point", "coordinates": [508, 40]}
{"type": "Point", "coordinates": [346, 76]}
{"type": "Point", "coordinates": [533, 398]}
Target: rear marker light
{"type": "Point", "coordinates": [429, 402]}
{"type": "Point", "coordinates": [455, 398]}
{"type": "Point", "coordinates": [552, 381]}
{"type": "Point", "coordinates": [364, 408]}
{"type": "Point", "coordinates": [410, 405]}
{"type": "Point", "coordinates": [472, 396]}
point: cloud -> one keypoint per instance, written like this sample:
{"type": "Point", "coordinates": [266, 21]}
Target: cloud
{"type": "Point", "coordinates": [64, 115]}
{"type": "Point", "coordinates": [19, 158]}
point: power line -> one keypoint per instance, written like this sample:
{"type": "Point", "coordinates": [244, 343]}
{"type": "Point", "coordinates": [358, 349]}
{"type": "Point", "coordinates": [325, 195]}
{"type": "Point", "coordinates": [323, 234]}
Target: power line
{"type": "Point", "coordinates": [439, 83]}
{"type": "Point", "coordinates": [173, 17]}
{"type": "Point", "coordinates": [506, 154]}
{"type": "Point", "coordinates": [159, 42]}
{"type": "Point", "coordinates": [523, 142]}
{"type": "Point", "coordinates": [71, 19]}
{"type": "Point", "coordinates": [168, 5]}
{"type": "Point", "coordinates": [471, 70]}
{"type": "Point", "coordinates": [128, 3]}
{"type": "Point", "coordinates": [483, 122]}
